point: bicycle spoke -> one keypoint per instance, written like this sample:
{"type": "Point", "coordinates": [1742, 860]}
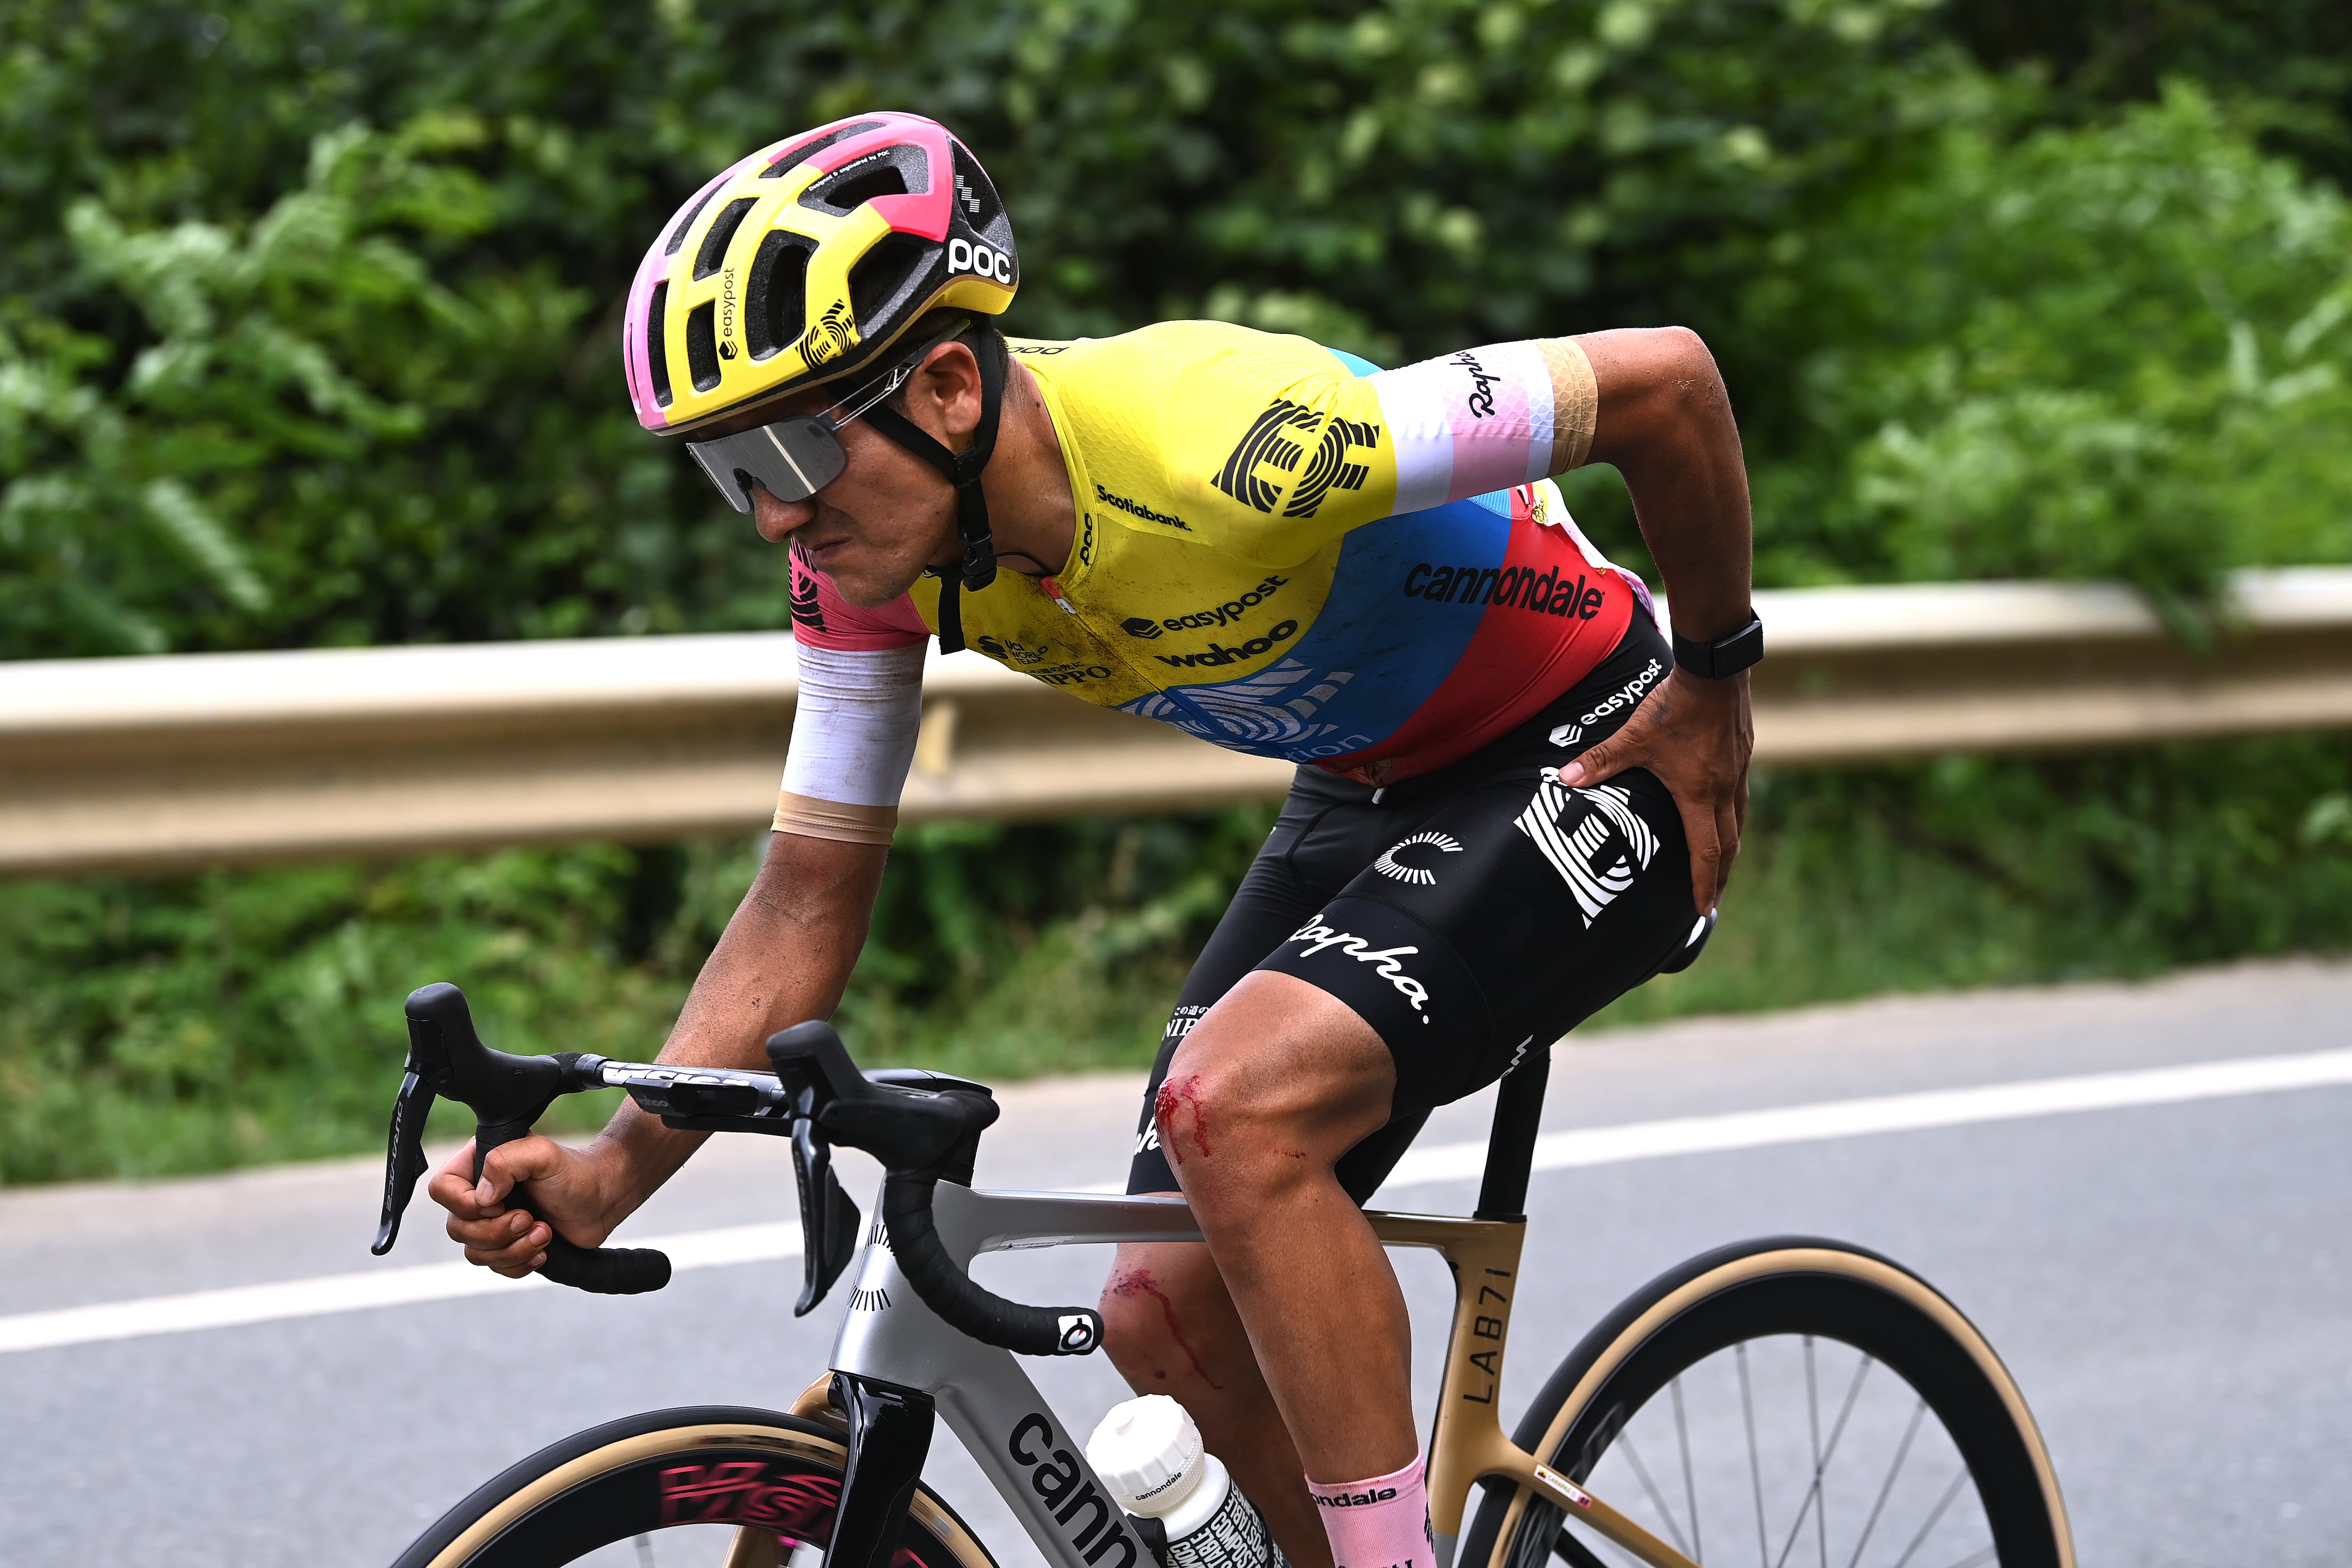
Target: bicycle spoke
{"type": "Point", "coordinates": [1886, 1488]}
{"type": "Point", "coordinates": [1633, 1455]}
{"type": "Point", "coordinates": [1690, 1481]}
{"type": "Point", "coordinates": [1755, 1468]}
{"type": "Point", "coordinates": [1814, 1499]}
{"type": "Point", "coordinates": [1534, 1538]}
{"type": "Point", "coordinates": [1982, 1556]}
{"type": "Point", "coordinates": [1950, 1493]}
{"type": "Point", "coordinates": [645, 1550]}
{"type": "Point", "coordinates": [1813, 1414]}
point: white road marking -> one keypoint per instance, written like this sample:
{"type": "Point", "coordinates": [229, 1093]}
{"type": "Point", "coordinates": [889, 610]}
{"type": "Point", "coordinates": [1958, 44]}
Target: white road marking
{"type": "Point", "coordinates": [1892, 1113]}
{"type": "Point", "coordinates": [390, 1287]}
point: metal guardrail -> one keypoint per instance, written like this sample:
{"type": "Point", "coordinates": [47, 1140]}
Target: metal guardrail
{"type": "Point", "coordinates": [152, 763]}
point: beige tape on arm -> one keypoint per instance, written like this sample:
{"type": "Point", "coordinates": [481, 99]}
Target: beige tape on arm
{"type": "Point", "coordinates": [814, 819]}
{"type": "Point", "coordinates": [1575, 401]}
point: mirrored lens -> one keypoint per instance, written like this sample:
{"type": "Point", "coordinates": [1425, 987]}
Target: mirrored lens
{"type": "Point", "coordinates": [792, 459]}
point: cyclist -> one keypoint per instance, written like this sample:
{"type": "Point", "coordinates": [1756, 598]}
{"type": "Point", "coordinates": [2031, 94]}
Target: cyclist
{"type": "Point", "coordinates": [1514, 802]}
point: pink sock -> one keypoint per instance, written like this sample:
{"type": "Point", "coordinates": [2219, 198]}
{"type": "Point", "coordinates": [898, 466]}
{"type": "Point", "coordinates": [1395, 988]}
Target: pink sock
{"type": "Point", "coordinates": [1379, 1523]}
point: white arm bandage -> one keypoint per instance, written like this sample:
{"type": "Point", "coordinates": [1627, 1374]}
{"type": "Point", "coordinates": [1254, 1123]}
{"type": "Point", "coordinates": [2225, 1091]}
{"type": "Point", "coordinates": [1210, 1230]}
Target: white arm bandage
{"type": "Point", "coordinates": [853, 740]}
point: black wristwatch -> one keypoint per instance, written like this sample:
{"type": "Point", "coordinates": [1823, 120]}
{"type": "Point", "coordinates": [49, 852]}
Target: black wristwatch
{"type": "Point", "coordinates": [1725, 656]}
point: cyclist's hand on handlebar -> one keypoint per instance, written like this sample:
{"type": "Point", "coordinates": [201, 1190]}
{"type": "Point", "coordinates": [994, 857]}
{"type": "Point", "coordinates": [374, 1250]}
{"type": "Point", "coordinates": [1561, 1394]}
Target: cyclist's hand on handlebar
{"type": "Point", "coordinates": [564, 1191]}
{"type": "Point", "coordinates": [1695, 735]}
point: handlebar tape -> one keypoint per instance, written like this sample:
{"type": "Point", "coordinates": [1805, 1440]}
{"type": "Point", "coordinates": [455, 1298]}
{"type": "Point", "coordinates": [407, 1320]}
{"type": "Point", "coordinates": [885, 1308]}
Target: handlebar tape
{"type": "Point", "coordinates": [968, 1308]}
{"type": "Point", "coordinates": [604, 1270]}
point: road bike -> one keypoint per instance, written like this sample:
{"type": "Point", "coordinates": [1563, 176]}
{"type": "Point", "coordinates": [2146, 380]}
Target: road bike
{"type": "Point", "coordinates": [1809, 1401]}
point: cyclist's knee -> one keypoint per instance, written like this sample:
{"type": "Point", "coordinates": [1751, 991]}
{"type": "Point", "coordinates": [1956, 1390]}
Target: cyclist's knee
{"type": "Point", "coordinates": [1246, 1123]}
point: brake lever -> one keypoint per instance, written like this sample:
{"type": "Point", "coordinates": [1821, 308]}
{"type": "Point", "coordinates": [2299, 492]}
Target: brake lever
{"type": "Point", "coordinates": [425, 1075]}
{"type": "Point", "coordinates": [829, 1219]}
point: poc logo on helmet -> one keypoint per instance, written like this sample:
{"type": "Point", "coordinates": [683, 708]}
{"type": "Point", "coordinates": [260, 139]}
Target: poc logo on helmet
{"type": "Point", "coordinates": [965, 256]}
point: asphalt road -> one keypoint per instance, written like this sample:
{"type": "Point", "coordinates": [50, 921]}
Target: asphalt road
{"type": "Point", "coordinates": [2172, 1285]}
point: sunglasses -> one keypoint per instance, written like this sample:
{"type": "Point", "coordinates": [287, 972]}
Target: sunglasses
{"type": "Point", "coordinates": [793, 459]}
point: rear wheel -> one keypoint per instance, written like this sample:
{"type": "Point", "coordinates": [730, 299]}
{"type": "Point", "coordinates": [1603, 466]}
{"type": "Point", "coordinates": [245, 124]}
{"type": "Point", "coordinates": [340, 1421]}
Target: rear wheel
{"type": "Point", "coordinates": [1787, 1402]}
{"type": "Point", "coordinates": [702, 1487]}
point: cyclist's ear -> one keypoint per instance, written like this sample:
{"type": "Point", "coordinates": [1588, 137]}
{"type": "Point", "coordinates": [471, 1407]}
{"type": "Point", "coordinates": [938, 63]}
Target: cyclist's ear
{"type": "Point", "coordinates": [945, 395]}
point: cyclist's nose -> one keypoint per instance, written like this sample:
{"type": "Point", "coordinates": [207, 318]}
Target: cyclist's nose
{"type": "Point", "coordinates": [776, 519]}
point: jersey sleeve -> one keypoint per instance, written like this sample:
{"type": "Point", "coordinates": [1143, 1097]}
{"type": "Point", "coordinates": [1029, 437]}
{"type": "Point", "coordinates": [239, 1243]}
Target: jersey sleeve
{"type": "Point", "coordinates": [1276, 448]}
{"type": "Point", "coordinates": [859, 709]}
{"type": "Point", "coordinates": [1487, 419]}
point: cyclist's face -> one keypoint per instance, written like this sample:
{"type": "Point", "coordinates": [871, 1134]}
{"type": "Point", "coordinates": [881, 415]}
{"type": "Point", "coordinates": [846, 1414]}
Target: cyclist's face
{"type": "Point", "coordinates": [890, 514]}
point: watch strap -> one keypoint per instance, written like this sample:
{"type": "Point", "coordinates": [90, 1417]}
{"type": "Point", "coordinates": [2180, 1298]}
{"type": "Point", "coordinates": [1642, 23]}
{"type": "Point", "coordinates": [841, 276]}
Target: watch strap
{"type": "Point", "coordinates": [1724, 656]}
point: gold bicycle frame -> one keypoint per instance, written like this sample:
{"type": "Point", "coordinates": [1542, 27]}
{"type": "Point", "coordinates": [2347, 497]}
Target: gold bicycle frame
{"type": "Point", "coordinates": [1468, 1443]}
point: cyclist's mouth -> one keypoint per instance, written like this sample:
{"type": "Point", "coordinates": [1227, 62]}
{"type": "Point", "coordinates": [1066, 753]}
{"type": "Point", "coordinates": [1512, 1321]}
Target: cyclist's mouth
{"type": "Point", "coordinates": [819, 552]}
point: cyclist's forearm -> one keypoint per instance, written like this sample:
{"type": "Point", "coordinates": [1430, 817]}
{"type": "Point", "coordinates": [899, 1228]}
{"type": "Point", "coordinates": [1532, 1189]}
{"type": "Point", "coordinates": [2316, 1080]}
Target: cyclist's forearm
{"type": "Point", "coordinates": [785, 957]}
{"type": "Point", "coordinates": [1665, 422]}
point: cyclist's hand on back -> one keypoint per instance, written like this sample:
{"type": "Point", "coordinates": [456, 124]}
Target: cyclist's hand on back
{"type": "Point", "coordinates": [1695, 735]}
{"type": "Point", "coordinates": [565, 1191]}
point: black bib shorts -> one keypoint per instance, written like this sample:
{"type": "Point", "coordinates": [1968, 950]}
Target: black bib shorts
{"type": "Point", "coordinates": [1469, 914]}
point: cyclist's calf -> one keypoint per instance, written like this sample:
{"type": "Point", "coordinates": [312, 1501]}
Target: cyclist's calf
{"type": "Point", "coordinates": [1171, 1328]}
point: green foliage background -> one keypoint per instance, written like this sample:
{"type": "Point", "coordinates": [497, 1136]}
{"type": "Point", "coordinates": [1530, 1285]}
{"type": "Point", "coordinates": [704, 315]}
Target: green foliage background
{"type": "Point", "coordinates": [307, 336]}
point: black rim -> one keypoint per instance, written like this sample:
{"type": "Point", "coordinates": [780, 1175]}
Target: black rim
{"type": "Point", "coordinates": [733, 1482]}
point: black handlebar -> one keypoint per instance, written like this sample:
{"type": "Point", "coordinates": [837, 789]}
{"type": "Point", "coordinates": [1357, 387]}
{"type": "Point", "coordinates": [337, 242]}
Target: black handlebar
{"type": "Point", "coordinates": [507, 1094]}
{"type": "Point", "coordinates": [922, 1136]}
{"type": "Point", "coordinates": [924, 1127]}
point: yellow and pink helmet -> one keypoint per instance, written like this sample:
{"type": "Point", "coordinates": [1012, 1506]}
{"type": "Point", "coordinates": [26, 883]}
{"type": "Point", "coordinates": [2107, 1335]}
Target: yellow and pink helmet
{"type": "Point", "coordinates": [806, 261]}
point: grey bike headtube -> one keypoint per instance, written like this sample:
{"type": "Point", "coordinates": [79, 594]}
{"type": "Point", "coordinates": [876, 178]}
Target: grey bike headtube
{"type": "Point", "coordinates": [996, 1411]}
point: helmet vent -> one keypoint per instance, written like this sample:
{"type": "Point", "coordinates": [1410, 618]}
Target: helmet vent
{"type": "Point", "coordinates": [656, 345]}
{"type": "Point", "coordinates": [883, 273]}
{"type": "Point", "coordinates": [702, 345]}
{"type": "Point", "coordinates": [776, 307]}
{"type": "Point", "coordinates": [713, 253]}
{"type": "Point", "coordinates": [807, 150]}
{"type": "Point", "coordinates": [678, 235]}
{"type": "Point", "coordinates": [892, 172]}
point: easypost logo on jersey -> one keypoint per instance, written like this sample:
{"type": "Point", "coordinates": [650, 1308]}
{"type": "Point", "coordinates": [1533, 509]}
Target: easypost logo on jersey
{"type": "Point", "coordinates": [1216, 615]}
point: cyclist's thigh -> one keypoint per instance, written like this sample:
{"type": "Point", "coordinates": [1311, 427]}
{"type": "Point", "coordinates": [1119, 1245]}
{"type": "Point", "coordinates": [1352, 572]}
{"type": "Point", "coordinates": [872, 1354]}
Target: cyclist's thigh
{"type": "Point", "coordinates": [1498, 917]}
{"type": "Point", "coordinates": [1318, 844]}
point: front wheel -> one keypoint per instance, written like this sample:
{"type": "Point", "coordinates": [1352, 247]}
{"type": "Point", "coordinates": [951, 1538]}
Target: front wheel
{"type": "Point", "coordinates": [1782, 1402]}
{"type": "Point", "coordinates": [702, 1487]}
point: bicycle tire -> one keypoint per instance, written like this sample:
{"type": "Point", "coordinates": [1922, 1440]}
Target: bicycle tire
{"type": "Point", "coordinates": [703, 1470]}
{"type": "Point", "coordinates": [1788, 1295]}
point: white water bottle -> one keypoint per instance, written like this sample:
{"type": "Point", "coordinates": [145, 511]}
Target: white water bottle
{"type": "Point", "coordinates": [1149, 1453]}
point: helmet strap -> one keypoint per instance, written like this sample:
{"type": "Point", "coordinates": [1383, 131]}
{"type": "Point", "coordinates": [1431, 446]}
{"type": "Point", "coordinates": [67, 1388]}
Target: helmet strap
{"type": "Point", "coordinates": [962, 470]}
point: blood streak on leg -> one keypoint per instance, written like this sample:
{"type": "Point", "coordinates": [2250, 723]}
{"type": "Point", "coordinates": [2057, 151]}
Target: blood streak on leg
{"type": "Point", "coordinates": [1140, 1282]}
{"type": "Point", "coordinates": [1173, 1093]}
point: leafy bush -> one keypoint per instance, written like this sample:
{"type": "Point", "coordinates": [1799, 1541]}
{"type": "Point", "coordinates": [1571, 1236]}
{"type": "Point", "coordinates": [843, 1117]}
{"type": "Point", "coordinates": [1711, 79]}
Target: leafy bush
{"type": "Point", "coordinates": [2114, 351]}
{"type": "Point", "coordinates": [309, 315]}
